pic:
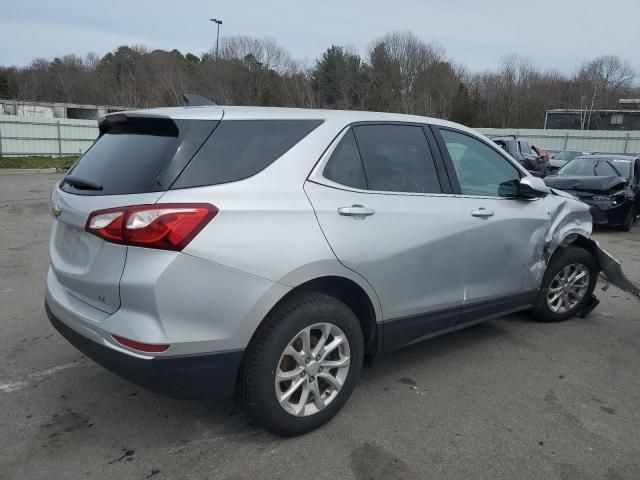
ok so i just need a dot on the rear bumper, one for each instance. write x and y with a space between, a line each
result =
210 375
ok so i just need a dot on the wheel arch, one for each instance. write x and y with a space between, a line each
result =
578 240
352 294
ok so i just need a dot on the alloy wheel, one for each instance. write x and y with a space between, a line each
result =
568 288
312 369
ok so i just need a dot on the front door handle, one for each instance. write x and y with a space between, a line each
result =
482 213
355 211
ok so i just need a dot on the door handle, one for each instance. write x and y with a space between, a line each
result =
356 211
482 213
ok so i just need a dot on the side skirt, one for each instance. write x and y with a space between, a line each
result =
401 332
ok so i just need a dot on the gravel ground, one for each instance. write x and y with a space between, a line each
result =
510 398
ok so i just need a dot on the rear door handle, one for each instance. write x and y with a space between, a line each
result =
356 211
482 213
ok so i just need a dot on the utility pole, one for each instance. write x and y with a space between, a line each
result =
218 22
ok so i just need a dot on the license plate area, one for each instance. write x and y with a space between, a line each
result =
70 240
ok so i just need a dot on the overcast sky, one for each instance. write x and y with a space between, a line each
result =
557 34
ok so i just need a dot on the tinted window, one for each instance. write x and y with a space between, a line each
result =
397 158
127 158
345 166
238 149
597 167
480 169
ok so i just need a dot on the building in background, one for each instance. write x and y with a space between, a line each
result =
627 117
56 110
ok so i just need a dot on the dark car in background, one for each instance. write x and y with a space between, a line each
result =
522 152
609 184
560 159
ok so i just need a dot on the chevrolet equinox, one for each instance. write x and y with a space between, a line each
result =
266 252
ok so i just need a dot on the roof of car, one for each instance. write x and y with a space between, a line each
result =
263 113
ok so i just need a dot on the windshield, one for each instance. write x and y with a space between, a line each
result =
597 167
567 155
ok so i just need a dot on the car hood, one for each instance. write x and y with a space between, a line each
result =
585 184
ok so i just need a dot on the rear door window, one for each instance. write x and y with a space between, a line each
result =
239 149
126 159
397 158
344 166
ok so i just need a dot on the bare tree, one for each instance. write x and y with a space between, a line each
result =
400 73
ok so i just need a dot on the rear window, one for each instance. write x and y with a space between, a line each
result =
126 159
238 149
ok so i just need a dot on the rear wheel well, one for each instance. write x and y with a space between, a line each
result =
352 295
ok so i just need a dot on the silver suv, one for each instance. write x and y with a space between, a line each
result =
267 252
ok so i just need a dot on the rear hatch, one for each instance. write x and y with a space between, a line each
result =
134 161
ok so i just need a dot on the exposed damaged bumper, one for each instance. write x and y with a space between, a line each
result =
612 273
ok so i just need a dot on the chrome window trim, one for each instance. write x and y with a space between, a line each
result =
317 176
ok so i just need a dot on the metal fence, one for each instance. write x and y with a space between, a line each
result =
604 141
38 136
22 135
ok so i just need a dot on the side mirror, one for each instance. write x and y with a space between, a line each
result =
532 187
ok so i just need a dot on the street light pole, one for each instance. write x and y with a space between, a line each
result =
218 22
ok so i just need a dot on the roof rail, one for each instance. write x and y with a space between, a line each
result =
191 100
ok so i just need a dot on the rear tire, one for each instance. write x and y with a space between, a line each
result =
282 348
567 285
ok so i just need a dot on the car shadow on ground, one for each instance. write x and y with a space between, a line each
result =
205 420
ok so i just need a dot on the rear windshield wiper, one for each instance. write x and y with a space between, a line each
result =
81 183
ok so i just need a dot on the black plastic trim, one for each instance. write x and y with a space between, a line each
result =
211 375
404 331
488 309
193 135
441 168
448 164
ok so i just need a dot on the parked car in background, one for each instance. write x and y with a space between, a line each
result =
609 184
267 251
561 158
522 152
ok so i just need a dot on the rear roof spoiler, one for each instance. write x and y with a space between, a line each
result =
112 120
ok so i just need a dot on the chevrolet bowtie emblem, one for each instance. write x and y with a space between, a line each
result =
55 211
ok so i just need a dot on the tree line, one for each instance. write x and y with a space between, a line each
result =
398 73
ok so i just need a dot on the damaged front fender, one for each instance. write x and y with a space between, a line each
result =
612 272
569 222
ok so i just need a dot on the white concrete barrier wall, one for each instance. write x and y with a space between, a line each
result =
23 135
604 141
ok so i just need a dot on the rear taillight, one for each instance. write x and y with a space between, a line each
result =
168 226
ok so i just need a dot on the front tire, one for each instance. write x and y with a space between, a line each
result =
628 224
567 285
302 364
